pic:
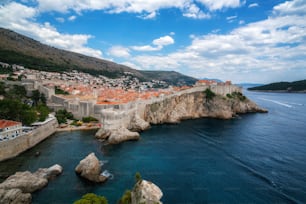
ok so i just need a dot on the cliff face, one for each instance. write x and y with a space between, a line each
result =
197 105
222 102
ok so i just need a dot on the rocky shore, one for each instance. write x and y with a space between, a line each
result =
173 110
17 188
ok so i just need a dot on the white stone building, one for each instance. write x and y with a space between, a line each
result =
9 129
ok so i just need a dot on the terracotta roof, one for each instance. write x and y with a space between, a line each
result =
8 123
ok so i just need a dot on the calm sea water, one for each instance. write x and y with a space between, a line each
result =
256 158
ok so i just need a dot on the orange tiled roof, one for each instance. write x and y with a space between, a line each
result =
8 123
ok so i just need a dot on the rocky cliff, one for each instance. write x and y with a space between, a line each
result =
223 102
197 105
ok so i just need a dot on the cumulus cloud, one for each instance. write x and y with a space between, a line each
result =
193 11
253 5
263 51
220 4
296 7
20 18
119 51
158 44
148 9
72 18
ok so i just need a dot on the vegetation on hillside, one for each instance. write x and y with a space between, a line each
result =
63 115
209 94
17 106
21 50
282 86
58 90
238 95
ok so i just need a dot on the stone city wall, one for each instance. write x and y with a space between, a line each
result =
13 147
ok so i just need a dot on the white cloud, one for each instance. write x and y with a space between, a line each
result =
119 51
146 48
151 15
253 5
296 7
21 18
72 18
231 18
147 9
60 20
193 11
269 50
220 4
158 43
163 41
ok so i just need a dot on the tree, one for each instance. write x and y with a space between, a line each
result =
126 198
43 111
2 88
35 97
17 92
43 98
12 109
138 177
91 198
28 116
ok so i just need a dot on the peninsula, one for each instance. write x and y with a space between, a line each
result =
286 87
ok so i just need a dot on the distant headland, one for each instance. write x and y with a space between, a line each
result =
285 87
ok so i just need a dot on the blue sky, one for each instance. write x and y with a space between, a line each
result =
258 41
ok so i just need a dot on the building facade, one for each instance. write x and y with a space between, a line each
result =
9 129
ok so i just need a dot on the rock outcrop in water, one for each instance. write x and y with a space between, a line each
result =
146 192
17 188
90 169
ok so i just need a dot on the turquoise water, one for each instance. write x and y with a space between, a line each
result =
255 158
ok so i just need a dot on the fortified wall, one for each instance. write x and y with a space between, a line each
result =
116 116
120 115
13 147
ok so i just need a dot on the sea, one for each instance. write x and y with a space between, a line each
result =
253 158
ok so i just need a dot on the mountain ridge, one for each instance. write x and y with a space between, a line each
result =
19 49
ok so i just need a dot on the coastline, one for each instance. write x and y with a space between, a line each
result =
14 147
75 128
278 91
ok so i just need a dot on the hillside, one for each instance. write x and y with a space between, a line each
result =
19 49
296 86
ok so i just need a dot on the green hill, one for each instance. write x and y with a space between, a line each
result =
21 50
296 86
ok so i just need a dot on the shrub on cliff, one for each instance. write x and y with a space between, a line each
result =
91 198
138 177
209 94
126 198
239 95
89 119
